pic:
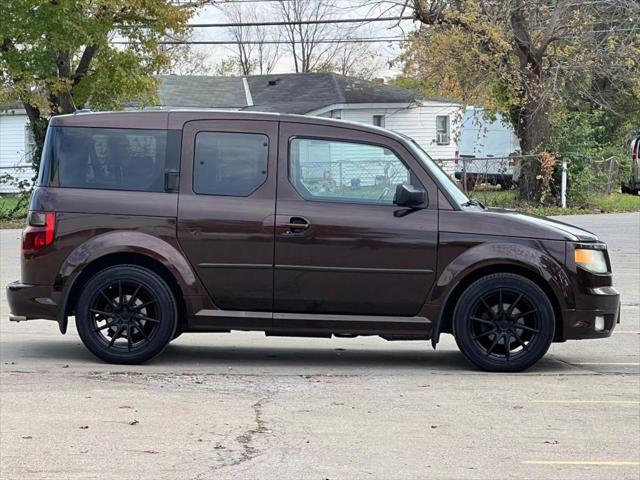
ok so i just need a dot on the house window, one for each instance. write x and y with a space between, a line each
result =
378 120
442 130
29 143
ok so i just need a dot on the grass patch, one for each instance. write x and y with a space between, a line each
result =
614 203
13 210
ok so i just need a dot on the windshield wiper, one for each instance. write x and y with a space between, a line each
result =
472 202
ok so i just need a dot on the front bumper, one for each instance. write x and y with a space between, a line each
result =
29 302
580 323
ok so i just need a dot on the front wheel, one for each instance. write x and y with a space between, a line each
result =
126 314
504 323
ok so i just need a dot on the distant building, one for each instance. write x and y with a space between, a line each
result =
480 137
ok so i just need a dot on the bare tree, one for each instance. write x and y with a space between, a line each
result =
356 60
253 54
184 59
303 38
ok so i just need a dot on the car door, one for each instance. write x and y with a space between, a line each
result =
226 209
341 245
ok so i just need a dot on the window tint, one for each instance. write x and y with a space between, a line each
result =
106 158
346 172
232 164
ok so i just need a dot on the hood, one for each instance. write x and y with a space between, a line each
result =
510 223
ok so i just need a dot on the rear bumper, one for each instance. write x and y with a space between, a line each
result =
580 323
29 302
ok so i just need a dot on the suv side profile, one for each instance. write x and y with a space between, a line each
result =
145 225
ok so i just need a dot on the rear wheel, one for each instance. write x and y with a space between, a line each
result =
503 323
126 314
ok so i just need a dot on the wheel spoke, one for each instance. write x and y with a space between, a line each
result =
139 327
129 336
482 320
513 305
115 322
526 328
484 334
143 305
521 315
109 301
102 312
133 296
139 316
500 306
493 345
120 295
489 309
116 335
519 338
507 346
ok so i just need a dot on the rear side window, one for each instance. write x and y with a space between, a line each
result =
105 158
232 164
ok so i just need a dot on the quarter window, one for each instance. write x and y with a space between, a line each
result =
348 172
233 164
106 158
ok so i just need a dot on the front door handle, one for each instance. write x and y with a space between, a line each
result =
296 225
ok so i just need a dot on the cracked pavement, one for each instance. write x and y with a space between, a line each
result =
240 405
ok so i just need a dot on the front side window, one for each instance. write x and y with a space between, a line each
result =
328 170
232 164
105 158
442 130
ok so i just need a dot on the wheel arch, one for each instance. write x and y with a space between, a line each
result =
117 248
444 321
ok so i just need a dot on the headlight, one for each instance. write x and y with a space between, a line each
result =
591 260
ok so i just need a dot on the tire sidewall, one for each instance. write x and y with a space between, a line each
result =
461 320
167 313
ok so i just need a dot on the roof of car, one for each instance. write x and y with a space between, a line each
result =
175 118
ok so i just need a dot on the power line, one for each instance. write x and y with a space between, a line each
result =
267 42
301 22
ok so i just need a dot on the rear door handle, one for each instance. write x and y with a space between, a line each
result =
296 225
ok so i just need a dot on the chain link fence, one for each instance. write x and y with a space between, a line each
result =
569 181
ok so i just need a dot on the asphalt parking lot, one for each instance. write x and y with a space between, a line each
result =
223 406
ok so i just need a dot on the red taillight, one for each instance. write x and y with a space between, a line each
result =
41 227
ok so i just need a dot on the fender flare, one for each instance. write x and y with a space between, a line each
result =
165 251
498 255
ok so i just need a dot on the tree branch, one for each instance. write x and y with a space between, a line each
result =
85 61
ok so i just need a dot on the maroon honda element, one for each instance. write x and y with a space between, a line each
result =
145 225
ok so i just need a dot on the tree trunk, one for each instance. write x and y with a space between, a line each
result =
39 129
533 130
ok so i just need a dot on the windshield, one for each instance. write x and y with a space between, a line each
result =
441 176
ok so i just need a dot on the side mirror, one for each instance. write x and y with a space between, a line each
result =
409 196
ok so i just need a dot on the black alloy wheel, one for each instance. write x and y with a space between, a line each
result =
504 322
126 314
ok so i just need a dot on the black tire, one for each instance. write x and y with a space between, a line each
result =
177 333
126 314
509 338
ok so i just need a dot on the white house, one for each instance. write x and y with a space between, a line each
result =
16 145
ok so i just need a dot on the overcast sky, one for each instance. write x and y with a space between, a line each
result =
267 10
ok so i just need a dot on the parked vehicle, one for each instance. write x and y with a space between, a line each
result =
495 171
634 155
145 225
